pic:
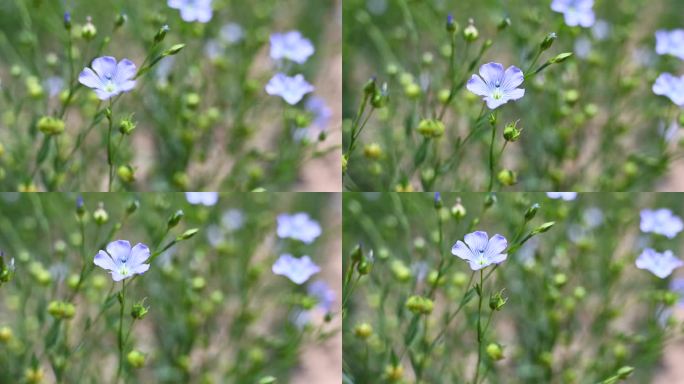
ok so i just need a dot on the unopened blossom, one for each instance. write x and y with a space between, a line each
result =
203 198
567 196
670 42
298 226
660 264
671 86
291 89
481 251
108 78
291 46
123 261
576 12
496 86
661 221
193 10
299 270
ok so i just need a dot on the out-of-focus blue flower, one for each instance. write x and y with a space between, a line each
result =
298 226
661 221
54 85
291 46
582 47
321 117
232 219
122 260
677 286
232 33
670 42
109 78
299 270
320 290
567 196
203 198
601 30
671 86
496 85
480 251
291 89
660 264
193 10
575 12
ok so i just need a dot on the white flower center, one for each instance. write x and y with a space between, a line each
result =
497 94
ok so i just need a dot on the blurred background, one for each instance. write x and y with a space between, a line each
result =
204 121
217 313
591 123
578 309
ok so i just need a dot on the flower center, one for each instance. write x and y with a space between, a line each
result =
124 270
497 94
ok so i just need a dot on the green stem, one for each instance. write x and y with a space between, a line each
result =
122 301
479 332
491 160
110 149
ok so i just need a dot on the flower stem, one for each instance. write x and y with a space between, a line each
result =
491 159
110 149
479 332
122 301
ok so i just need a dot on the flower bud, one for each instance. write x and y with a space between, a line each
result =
531 212
548 41
100 215
175 219
560 58
34 375
470 33
61 310
126 173
136 358
161 34
372 151
120 20
127 125
419 305
267 380
494 351
504 23
497 301
370 87
133 206
363 331
507 177
490 200
543 228
511 132
173 50
438 200
624 372
192 100
188 234
88 31
431 128
50 125
458 211
451 25
401 272
139 310
5 334
394 373
67 21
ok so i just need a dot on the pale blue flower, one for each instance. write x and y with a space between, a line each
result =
203 198
325 296
576 12
291 89
601 30
122 260
660 264
232 220
54 84
299 270
481 251
291 46
661 221
109 78
193 10
232 33
321 117
670 42
671 86
567 196
677 286
298 226
496 86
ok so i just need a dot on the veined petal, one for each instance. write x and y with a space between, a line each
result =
495 246
514 94
103 261
119 250
461 250
139 254
477 241
89 78
125 71
492 73
104 66
513 77
477 86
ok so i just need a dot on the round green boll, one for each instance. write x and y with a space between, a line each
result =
412 90
50 125
363 331
507 177
126 173
431 128
494 351
101 216
88 31
470 33
136 358
192 100
511 132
